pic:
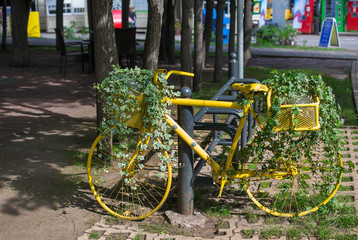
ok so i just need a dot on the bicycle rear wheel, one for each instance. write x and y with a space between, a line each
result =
127 186
297 185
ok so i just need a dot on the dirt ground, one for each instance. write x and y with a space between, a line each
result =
47 122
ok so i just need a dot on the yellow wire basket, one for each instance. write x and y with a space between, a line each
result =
306 120
136 119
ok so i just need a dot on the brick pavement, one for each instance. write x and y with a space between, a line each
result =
238 222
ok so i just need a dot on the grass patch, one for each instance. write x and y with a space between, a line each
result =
271 232
114 220
251 217
78 158
345 188
95 234
216 209
118 236
335 220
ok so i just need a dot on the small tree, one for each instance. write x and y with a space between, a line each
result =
198 45
105 50
249 4
59 20
20 16
208 28
219 41
152 41
185 45
4 25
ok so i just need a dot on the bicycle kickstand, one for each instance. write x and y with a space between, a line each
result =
223 181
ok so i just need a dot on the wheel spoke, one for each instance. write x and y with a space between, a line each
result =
129 192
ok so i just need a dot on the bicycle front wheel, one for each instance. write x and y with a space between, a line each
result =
294 187
125 185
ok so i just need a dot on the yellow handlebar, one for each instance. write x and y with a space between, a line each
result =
156 72
179 73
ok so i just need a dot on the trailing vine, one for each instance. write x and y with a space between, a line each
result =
132 100
290 145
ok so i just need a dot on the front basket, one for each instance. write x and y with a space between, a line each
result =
136 117
306 120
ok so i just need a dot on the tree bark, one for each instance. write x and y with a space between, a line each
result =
105 50
152 41
59 20
198 45
164 35
125 8
249 4
208 28
4 25
232 26
185 45
20 49
219 41
171 32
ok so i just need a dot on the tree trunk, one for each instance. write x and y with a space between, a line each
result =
219 41
105 50
208 28
152 41
198 45
249 4
4 25
185 45
232 26
20 10
125 8
59 20
164 35
171 32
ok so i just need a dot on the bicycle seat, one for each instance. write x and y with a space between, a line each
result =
250 88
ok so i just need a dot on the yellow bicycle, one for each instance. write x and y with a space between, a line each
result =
291 185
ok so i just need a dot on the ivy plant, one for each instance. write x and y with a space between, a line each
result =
129 93
290 145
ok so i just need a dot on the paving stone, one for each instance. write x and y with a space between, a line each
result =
150 236
102 225
83 238
186 221
120 227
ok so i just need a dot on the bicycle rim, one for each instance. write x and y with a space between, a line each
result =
287 188
131 189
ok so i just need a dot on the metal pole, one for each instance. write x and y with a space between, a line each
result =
186 159
240 33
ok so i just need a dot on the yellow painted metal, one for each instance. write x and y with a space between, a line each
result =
204 103
307 119
235 142
179 73
129 169
158 71
191 142
278 174
250 88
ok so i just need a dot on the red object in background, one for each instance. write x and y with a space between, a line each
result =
352 15
117 18
307 18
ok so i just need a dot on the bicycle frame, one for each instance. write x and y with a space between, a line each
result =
217 169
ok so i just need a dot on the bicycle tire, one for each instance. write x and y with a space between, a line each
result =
294 188
132 189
